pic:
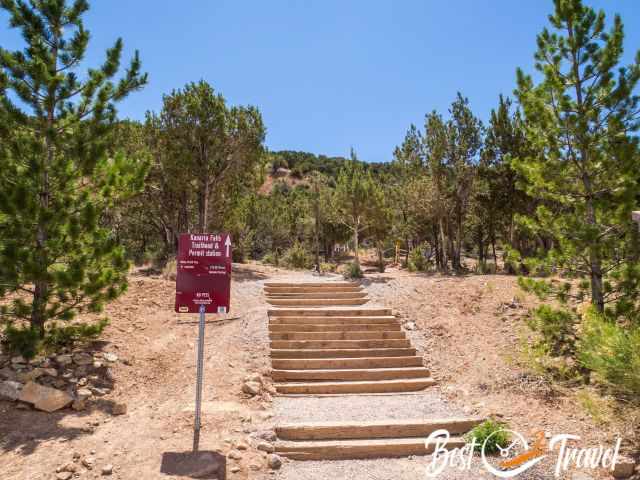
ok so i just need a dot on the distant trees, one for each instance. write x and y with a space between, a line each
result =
57 179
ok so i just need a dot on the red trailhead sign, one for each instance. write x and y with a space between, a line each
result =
204 273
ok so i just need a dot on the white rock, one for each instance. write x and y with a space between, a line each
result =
266 447
10 390
110 357
251 388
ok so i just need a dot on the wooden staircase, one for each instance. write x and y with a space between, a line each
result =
322 345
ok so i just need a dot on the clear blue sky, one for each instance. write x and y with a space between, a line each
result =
330 74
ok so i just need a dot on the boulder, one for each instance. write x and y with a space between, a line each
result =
64 360
10 390
266 447
251 388
7 373
44 398
82 359
624 467
274 461
119 409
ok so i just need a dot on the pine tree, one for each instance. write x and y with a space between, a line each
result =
580 118
353 192
56 179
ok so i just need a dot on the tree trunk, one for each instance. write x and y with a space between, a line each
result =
380 248
443 240
203 206
356 242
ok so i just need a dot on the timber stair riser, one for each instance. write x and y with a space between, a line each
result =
345 363
338 344
310 284
338 320
280 290
360 449
375 429
334 327
344 353
358 335
348 375
342 387
294 296
336 312
320 302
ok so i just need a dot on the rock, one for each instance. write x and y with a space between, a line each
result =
242 446
624 468
19 359
266 447
82 359
235 455
581 476
31 376
45 398
110 357
64 360
251 388
119 409
254 377
51 372
88 462
97 365
83 393
274 461
7 374
235 469
64 475
268 435
69 467
410 326
107 469
82 382
79 405
10 390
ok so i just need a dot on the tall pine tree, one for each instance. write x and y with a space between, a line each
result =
56 178
580 119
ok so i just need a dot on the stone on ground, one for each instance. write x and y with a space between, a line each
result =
45 398
10 390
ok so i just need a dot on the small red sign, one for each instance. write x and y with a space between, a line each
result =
203 272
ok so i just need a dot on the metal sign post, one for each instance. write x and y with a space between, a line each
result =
203 285
199 378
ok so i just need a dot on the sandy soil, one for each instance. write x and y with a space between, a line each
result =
467 338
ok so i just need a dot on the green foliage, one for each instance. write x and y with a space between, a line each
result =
581 117
28 342
297 257
557 329
417 261
352 270
490 435
612 352
58 176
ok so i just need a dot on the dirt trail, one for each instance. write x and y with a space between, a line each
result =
461 325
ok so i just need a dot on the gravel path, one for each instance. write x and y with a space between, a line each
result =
427 404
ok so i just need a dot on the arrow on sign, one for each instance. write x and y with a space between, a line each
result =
227 243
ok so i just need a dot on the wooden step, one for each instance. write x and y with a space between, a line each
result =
345 363
329 312
375 429
311 284
343 352
339 344
325 320
294 296
354 449
269 290
361 374
335 327
357 335
320 302
379 386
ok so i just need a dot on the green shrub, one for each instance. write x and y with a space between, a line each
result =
557 329
612 353
26 340
170 270
23 341
269 258
353 270
297 257
328 267
492 433
417 261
